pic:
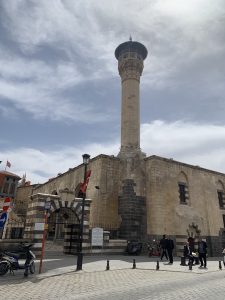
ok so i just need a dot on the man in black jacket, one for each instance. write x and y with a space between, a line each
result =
202 251
163 243
169 248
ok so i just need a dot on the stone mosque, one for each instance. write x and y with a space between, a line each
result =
131 196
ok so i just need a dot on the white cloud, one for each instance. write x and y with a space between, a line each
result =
37 88
181 36
40 165
197 144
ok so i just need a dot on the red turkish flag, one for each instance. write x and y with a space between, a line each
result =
84 185
8 164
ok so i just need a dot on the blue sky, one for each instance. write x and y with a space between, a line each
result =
60 88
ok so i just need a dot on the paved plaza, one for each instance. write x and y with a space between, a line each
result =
60 281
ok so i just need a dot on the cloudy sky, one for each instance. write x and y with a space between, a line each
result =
60 88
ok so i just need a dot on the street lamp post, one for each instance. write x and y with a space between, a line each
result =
86 158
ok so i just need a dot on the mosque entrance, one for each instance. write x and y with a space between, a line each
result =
63 230
58 222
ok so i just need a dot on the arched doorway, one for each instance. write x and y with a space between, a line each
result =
69 216
58 220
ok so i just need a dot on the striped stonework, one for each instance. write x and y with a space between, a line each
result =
34 228
71 235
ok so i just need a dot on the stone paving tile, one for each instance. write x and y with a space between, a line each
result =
120 284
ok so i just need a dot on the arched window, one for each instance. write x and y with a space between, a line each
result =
54 192
183 188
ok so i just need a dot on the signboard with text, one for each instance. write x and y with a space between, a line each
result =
39 226
97 237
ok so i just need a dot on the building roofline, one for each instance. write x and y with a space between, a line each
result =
76 168
152 157
27 186
6 173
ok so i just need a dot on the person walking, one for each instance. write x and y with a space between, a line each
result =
163 243
223 253
169 248
202 251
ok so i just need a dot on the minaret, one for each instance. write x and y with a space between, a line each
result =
130 56
132 201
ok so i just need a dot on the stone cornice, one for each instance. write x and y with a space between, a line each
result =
170 160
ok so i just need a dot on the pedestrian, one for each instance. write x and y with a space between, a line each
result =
163 243
223 253
202 251
188 253
169 248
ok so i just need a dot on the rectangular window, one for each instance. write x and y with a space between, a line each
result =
12 189
182 193
6 188
224 221
220 198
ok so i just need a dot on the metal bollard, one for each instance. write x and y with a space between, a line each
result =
190 265
26 270
134 264
107 265
157 265
220 265
182 261
196 261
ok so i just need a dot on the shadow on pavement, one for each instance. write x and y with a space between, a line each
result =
55 264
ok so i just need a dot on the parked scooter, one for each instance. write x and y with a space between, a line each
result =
134 247
10 261
153 250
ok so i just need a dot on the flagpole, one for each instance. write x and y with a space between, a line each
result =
6 164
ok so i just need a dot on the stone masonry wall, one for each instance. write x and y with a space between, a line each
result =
165 213
105 175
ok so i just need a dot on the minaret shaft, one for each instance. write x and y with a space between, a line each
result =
130 115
